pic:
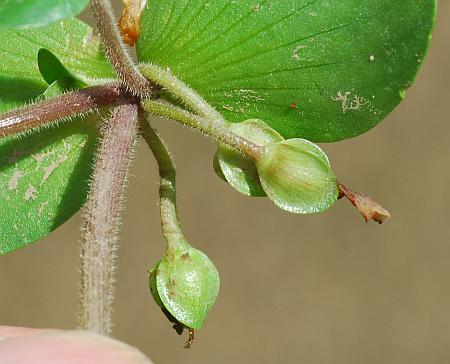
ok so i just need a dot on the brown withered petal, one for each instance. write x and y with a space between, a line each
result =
369 209
129 23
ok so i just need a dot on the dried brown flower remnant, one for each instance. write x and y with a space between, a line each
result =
190 340
368 208
129 23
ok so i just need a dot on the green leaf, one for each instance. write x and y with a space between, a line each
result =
43 180
53 70
44 176
60 86
239 171
321 70
187 283
70 41
36 13
296 176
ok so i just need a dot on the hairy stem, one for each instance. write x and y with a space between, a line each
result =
180 91
170 224
212 128
100 231
115 50
65 106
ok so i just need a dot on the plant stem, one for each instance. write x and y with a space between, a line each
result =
180 91
100 231
170 224
212 128
62 107
115 50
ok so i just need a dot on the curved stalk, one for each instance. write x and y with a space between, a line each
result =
100 238
115 50
180 91
170 224
212 128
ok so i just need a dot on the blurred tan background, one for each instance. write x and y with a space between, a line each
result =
295 289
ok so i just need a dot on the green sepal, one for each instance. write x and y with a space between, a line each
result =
239 171
152 284
217 169
297 177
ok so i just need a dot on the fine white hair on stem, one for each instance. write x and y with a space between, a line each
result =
102 219
210 127
128 72
62 107
181 91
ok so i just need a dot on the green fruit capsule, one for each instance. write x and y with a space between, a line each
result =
239 171
185 284
296 175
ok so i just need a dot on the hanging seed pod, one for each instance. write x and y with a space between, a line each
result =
296 175
239 171
185 284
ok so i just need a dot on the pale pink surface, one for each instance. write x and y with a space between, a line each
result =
26 346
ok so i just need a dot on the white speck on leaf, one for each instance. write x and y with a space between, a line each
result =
13 183
51 168
250 95
88 38
349 102
256 8
42 207
30 193
228 108
296 53
41 156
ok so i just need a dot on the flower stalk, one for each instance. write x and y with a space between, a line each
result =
102 220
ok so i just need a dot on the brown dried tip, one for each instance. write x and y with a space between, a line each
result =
129 23
368 208
190 340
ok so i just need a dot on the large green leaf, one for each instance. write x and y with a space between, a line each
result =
324 70
35 13
44 176
71 41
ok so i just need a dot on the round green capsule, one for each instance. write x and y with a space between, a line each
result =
185 283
